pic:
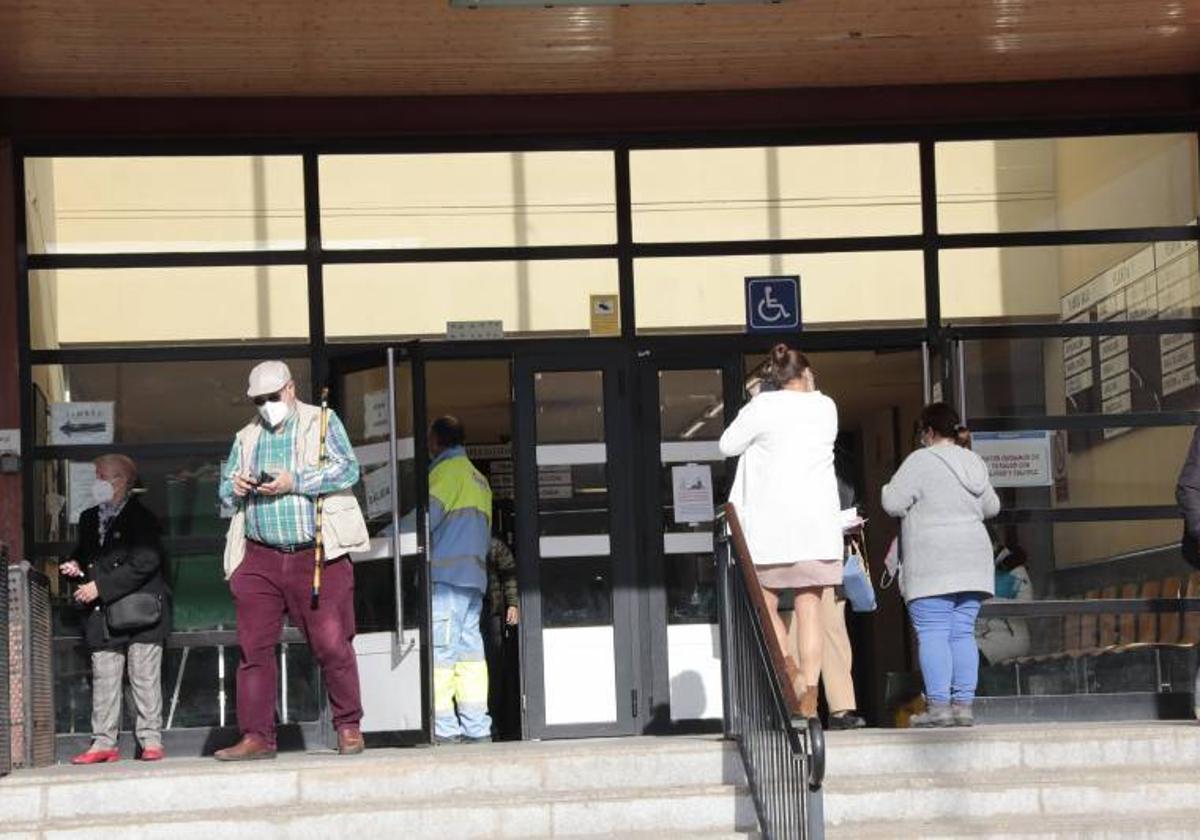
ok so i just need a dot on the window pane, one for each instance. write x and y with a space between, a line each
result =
856 290
1123 282
408 300
180 491
789 192
167 305
493 199
1113 374
1066 183
138 204
163 401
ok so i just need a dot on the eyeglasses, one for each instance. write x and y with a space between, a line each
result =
266 398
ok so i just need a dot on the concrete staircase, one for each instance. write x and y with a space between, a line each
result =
1089 780
630 787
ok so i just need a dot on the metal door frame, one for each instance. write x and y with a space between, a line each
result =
652 555
389 356
620 441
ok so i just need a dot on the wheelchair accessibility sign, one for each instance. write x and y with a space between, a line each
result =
772 304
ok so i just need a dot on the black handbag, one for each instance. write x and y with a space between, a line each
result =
136 611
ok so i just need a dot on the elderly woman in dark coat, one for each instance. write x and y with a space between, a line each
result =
119 562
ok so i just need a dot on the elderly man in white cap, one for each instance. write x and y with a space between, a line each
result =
273 478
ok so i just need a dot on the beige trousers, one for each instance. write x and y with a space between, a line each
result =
108 673
836 656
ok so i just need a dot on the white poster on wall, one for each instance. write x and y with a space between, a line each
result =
692 492
375 414
1016 459
77 423
378 485
81 475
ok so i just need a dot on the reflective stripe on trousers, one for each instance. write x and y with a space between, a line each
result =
460 677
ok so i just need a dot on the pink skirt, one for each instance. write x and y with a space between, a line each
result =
802 575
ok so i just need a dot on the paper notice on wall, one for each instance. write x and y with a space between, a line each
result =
1015 459
378 485
10 441
81 475
693 493
79 423
375 414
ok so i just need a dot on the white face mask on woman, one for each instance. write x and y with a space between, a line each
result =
102 491
274 413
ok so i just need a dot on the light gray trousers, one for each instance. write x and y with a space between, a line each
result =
145 678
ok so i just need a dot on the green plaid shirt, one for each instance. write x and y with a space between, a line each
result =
289 519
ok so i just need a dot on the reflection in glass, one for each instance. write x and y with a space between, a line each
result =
164 401
416 300
1066 183
128 306
576 592
1070 283
783 192
691 589
850 290
474 199
570 406
169 203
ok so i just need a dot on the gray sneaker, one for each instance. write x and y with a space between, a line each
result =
936 716
962 714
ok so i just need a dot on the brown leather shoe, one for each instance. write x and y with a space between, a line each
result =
350 741
250 748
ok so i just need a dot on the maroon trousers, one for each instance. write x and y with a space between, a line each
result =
269 584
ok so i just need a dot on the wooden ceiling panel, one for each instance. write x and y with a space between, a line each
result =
404 47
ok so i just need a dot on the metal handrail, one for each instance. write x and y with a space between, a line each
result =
783 752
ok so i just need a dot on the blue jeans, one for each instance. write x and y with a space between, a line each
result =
460 677
945 626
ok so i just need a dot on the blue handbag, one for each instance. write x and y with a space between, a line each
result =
856 581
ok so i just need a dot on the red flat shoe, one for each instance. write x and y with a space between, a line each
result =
153 754
97 757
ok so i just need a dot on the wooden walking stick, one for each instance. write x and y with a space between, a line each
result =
319 547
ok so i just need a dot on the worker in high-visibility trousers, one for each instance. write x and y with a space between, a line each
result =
460 527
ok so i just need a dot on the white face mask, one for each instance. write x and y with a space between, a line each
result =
102 492
274 413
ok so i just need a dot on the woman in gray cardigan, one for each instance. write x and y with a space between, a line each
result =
943 495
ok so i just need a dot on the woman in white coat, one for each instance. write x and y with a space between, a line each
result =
786 496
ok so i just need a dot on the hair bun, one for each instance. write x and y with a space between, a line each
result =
779 353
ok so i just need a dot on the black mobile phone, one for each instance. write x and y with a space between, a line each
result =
264 477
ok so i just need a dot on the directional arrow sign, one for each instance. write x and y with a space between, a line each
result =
80 423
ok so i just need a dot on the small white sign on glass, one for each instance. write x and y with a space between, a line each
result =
10 441
375 414
1015 459
692 492
79 423
378 485
81 475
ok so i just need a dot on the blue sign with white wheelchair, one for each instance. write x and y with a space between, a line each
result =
773 304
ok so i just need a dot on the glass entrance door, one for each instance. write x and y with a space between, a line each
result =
375 397
685 407
577 546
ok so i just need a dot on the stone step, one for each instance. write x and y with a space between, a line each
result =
1164 825
973 796
1014 747
718 810
386 777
